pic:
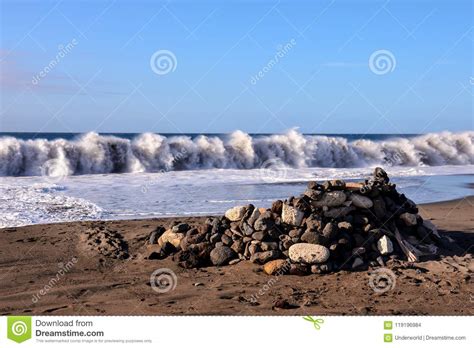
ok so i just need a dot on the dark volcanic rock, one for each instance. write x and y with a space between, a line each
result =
187 259
202 250
313 194
330 231
312 237
216 237
334 185
183 227
296 233
379 208
154 235
265 256
313 185
168 248
156 253
222 255
254 248
298 269
258 235
226 240
277 207
264 222
314 223
246 228
238 246
266 246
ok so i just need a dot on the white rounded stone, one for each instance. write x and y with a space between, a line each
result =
308 253
235 213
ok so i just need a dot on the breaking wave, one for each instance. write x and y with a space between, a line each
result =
92 153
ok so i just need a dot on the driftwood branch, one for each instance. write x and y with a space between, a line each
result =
410 251
354 186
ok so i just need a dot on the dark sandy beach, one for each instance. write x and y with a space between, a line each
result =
97 282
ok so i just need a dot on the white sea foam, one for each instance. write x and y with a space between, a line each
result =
42 203
92 153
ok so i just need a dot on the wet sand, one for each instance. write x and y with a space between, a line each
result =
77 269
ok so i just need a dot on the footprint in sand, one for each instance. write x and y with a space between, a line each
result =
105 242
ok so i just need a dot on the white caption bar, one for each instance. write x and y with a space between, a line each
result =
89 331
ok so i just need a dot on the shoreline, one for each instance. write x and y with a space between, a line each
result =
469 197
138 196
186 217
98 283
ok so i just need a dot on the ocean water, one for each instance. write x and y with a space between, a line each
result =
66 177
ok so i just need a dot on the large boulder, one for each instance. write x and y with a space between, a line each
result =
330 199
308 253
360 201
221 255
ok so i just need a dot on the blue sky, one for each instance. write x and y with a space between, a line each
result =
312 56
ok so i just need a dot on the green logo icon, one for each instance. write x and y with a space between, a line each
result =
19 328
387 338
316 322
387 325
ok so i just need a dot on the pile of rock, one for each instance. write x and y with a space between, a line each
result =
331 226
